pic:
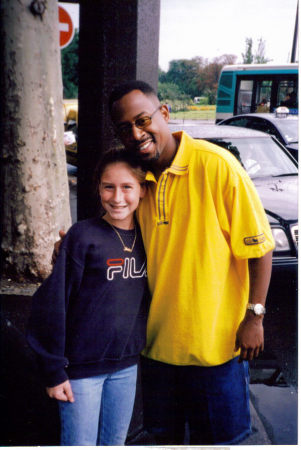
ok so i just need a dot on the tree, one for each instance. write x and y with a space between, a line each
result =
211 74
247 57
195 77
169 92
34 183
212 70
69 57
161 75
185 73
259 56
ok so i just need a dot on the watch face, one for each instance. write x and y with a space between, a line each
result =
258 309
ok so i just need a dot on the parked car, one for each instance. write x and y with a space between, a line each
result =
284 128
70 115
275 175
70 141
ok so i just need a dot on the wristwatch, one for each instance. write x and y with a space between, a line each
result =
257 308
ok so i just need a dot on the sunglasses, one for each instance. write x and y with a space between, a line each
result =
125 129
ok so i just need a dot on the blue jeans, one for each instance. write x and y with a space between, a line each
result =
213 401
102 410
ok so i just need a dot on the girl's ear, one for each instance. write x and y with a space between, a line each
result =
142 190
99 191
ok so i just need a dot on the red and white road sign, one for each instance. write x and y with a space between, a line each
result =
66 27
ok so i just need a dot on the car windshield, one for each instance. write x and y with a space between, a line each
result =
289 129
261 157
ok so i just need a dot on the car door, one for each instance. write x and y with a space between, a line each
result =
238 122
257 123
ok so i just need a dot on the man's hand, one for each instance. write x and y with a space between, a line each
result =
57 247
61 392
250 337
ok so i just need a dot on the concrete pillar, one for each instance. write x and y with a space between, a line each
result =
119 41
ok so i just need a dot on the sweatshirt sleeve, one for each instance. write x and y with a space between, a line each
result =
46 331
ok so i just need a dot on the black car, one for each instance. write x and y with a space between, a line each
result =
275 175
285 128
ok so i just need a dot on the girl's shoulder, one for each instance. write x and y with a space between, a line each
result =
86 231
87 224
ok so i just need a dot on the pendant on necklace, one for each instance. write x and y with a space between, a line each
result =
125 248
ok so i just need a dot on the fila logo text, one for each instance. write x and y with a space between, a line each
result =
126 267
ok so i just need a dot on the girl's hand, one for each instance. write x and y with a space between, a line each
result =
56 247
61 392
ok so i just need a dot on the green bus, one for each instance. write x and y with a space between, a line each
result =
250 88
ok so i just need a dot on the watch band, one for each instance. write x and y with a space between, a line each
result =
257 308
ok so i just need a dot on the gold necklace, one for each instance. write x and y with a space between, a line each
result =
125 248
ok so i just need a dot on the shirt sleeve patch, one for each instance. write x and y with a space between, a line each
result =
254 240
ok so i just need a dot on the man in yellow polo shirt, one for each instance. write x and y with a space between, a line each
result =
209 249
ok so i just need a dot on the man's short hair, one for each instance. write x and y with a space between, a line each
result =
122 89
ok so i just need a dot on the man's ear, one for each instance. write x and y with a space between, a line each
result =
165 112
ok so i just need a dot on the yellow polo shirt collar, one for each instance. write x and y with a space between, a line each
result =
180 164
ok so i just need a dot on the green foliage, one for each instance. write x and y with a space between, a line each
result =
171 94
168 92
247 57
161 75
211 96
259 56
185 74
69 58
194 77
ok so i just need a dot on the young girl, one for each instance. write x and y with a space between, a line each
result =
88 319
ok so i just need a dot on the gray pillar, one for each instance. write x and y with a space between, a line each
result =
119 41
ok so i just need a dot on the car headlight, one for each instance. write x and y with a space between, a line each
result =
281 241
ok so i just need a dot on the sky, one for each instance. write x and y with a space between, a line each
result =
211 28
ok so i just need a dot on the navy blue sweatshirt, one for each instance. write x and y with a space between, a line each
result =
89 316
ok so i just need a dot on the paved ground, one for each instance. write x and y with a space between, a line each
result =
276 409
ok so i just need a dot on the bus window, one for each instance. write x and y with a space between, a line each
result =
244 99
263 95
287 94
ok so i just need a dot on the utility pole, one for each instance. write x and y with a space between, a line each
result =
295 38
